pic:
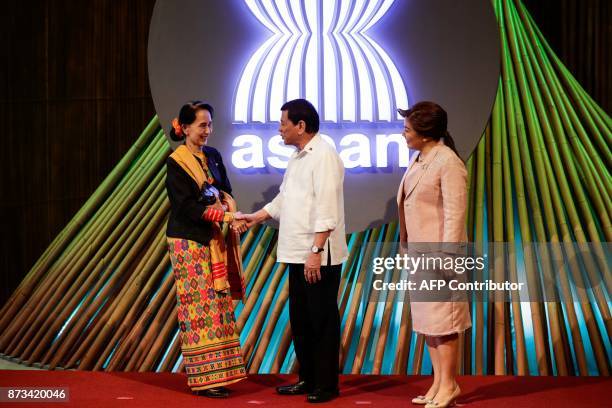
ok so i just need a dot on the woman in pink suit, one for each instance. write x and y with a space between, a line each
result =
432 202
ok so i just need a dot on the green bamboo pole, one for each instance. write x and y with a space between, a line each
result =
93 269
479 245
21 330
400 366
271 323
389 304
29 282
260 281
129 302
77 289
262 312
555 201
103 327
591 268
367 326
539 196
524 181
128 346
498 236
349 326
120 336
120 263
510 131
107 268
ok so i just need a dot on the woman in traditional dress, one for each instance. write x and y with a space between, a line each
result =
432 204
206 266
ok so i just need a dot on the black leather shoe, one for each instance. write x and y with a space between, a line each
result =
219 392
294 389
322 396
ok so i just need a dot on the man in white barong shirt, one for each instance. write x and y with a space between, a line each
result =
312 241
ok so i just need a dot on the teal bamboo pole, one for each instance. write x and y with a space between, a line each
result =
84 279
358 289
577 223
539 194
42 293
479 245
524 220
367 331
57 246
500 323
118 265
509 130
554 200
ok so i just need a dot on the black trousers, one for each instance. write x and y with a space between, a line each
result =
315 325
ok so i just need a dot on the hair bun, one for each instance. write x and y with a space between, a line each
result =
176 132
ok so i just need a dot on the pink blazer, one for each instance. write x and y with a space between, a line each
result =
434 208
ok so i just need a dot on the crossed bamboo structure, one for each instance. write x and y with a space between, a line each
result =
102 296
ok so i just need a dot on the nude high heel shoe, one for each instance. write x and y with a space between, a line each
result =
421 400
450 401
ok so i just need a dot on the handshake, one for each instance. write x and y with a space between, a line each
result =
242 222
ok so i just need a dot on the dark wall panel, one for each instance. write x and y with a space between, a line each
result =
74 96
580 32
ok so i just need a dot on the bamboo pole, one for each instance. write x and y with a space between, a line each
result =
272 321
254 334
173 355
96 297
479 245
389 306
367 328
128 346
260 281
283 347
166 315
83 280
509 131
404 338
143 230
349 326
497 210
155 260
29 282
55 276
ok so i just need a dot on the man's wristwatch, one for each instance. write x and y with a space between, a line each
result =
316 250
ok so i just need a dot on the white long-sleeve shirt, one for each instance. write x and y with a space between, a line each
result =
310 200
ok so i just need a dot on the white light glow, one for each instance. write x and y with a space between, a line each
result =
356 150
319 50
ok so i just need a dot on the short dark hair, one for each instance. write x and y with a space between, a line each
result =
430 120
301 109
187 115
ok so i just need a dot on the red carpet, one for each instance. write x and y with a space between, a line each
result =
119 389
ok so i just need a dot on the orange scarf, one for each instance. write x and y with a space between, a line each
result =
226 265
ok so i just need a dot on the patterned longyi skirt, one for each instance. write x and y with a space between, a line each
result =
210 342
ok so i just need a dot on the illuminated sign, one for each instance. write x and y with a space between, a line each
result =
355 60
323 54
320 50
